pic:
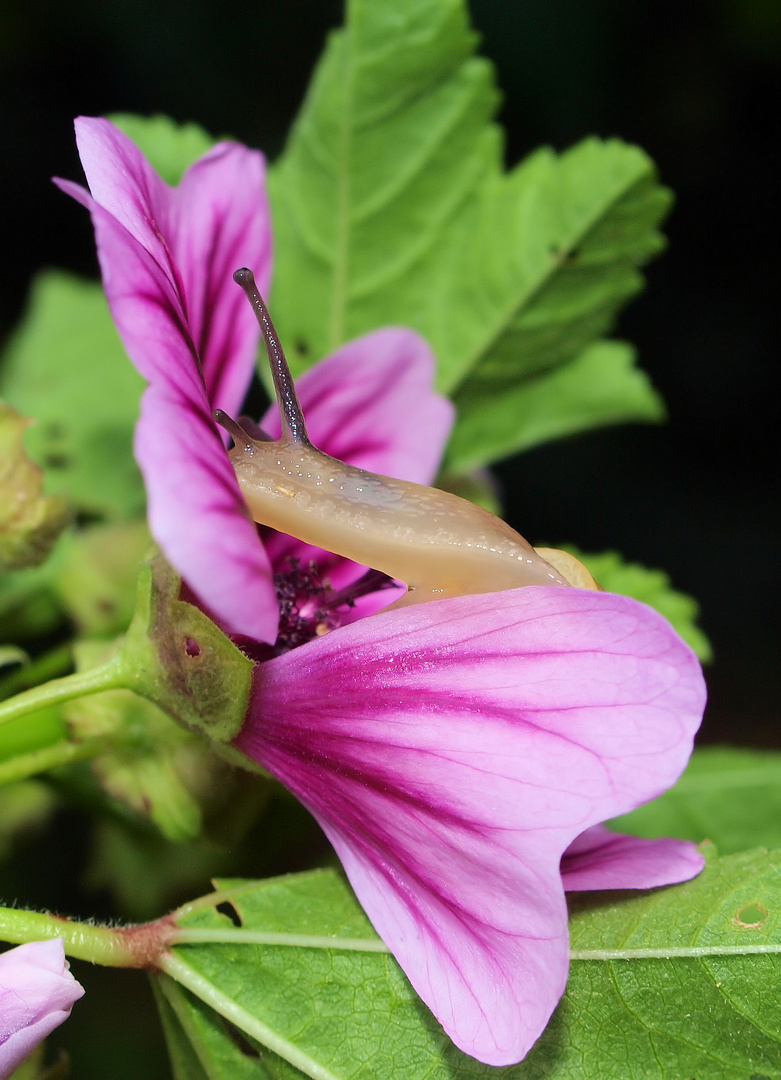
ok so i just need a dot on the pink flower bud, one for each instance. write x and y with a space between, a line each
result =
37 991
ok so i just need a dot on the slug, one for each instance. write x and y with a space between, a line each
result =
437 543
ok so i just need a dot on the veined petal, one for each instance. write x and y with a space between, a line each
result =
452 752
601 859
187 472
198 233
222 222
371 404
198 516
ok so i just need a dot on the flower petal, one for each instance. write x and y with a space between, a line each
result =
37 991
173 319
452 751
372 404
601 859
198 233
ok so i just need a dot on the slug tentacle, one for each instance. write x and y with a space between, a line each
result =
235 430
440 545
293 423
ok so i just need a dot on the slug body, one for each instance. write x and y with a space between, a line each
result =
439 544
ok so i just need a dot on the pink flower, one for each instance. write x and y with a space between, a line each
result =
460 754
37 991
167 255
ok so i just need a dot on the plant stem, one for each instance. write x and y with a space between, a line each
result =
140 946
187 935
62 752
42 668
108 676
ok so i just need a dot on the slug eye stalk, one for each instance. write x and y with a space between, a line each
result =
437 543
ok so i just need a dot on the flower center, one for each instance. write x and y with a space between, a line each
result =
309 607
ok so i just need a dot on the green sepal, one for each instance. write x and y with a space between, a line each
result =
30 521
175 656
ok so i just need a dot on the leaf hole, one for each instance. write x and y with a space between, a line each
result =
239 1040
751 916
226 908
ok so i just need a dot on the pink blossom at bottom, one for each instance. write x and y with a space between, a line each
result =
37 991
455 751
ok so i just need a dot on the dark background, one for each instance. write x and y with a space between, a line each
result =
694 83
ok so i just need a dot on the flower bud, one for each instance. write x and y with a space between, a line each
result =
37 991
30 521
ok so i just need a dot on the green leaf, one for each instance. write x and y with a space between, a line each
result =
391 137
728 795
66 368
668 983
169 147
97 576
391 206
202 1048
184 1059
600 386
652 587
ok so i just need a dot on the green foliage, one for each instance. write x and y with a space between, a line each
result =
11 654
696 1006
598 387
652 587
153 766
25 808
144 872
728 795
96 576
169 147
65 367
391 206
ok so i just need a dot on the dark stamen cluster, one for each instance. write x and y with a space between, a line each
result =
309 607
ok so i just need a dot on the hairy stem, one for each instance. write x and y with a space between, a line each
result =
129 947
